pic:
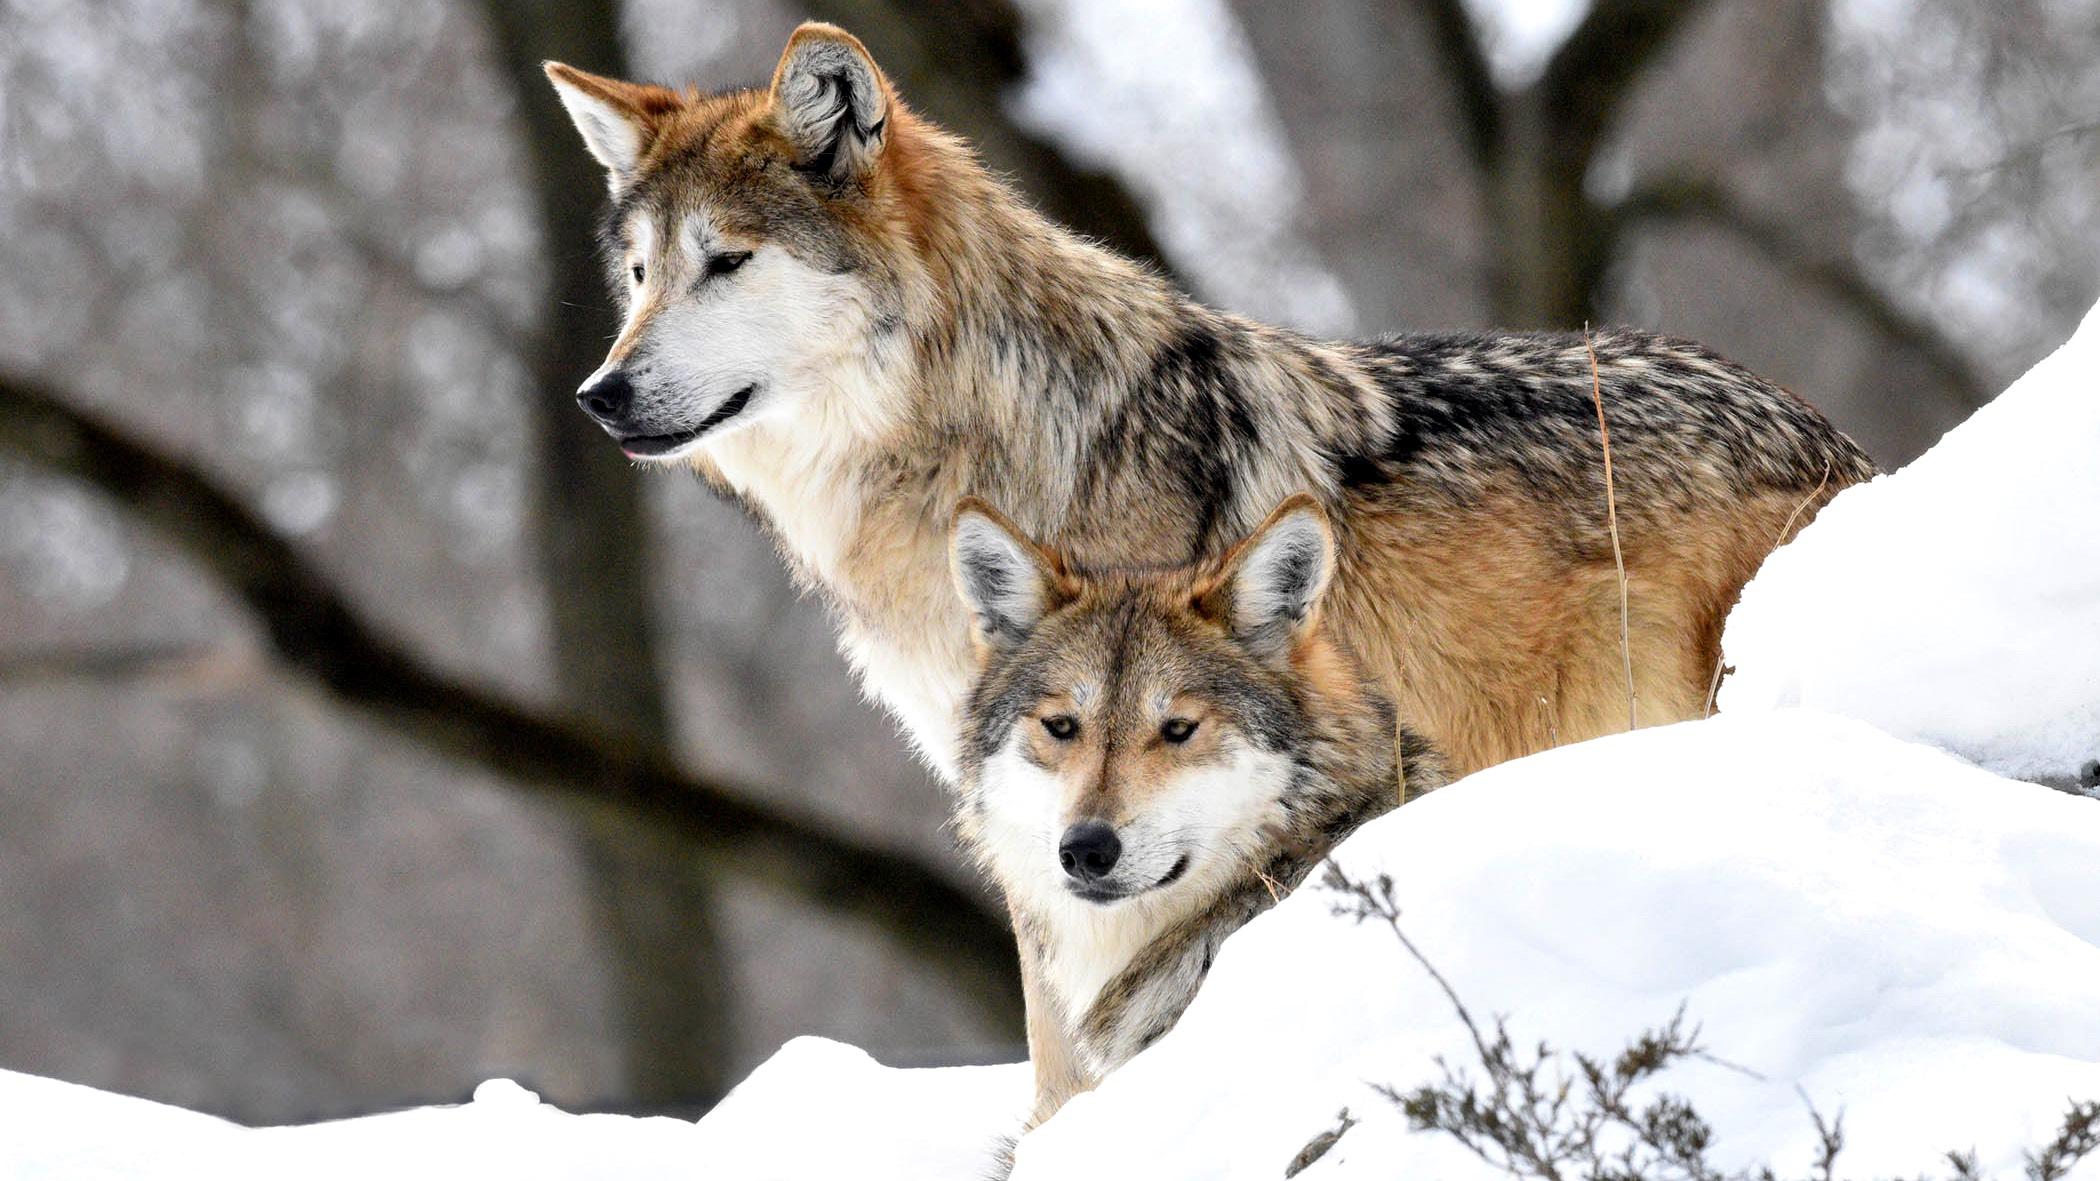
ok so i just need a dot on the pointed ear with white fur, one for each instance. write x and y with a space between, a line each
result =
1268 589
618 120
833 104
1006 580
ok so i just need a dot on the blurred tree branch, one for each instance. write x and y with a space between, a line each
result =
315 630
1698 200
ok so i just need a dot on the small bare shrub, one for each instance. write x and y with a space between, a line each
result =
1551 1115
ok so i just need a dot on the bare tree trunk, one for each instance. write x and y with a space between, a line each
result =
655 904
1549 245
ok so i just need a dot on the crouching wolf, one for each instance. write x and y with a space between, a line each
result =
837 315
1149 759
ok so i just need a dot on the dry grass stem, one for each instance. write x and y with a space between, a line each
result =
1713 686
1611 517
1788 528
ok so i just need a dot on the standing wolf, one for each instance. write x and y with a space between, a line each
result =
836 314
1149 759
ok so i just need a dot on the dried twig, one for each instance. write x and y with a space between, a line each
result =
1611 516
1544 1114
1376 900
2078 1139
1319 1145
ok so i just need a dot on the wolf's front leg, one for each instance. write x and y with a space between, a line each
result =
1058 1073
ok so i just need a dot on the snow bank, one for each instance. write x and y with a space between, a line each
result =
1907 937
819 1109
56 1130
1956 602
816 1109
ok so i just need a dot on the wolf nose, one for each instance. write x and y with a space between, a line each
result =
607 399
1089 851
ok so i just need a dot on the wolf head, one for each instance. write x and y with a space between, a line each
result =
747 241
1133 735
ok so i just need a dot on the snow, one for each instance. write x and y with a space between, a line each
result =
822 1109
1836 878
1955 602
56 1130
51 1129
816 1109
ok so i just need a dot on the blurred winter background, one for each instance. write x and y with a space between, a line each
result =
334 261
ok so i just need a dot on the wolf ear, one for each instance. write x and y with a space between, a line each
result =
618 119
1007 581
833 103
1268 588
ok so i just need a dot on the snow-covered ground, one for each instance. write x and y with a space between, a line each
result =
54 1131
1824 878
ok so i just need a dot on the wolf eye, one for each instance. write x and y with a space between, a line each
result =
1177 730
637 270
1061 726
726 264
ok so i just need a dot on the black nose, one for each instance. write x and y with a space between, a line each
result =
607 399
1089 850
